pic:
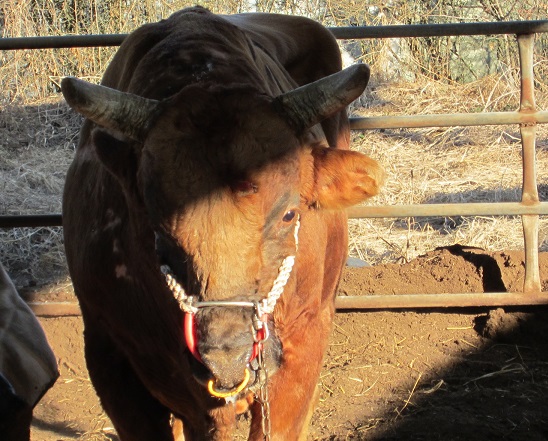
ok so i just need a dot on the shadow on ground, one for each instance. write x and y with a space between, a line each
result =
496 392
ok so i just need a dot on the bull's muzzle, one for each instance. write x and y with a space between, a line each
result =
225 343
220 393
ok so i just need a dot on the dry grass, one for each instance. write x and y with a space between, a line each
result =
454 165
36 146
31 75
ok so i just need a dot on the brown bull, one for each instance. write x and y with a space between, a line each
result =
208 184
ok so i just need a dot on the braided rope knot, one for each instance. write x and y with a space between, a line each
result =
267 305
185 301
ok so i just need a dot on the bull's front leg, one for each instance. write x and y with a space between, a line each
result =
293 391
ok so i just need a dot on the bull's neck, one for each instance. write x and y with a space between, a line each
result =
127 215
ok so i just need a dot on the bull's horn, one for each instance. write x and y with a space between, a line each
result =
312 103
123 112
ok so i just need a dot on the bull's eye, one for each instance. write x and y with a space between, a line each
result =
289 216
244 187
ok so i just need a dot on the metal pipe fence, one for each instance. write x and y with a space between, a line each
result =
342 33
527 117
529 208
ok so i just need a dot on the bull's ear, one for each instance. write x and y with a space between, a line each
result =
116 154
344 178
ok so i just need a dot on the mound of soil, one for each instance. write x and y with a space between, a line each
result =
471 374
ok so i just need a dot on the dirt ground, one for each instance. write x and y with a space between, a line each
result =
473 374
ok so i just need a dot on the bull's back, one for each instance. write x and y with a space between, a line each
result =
304 47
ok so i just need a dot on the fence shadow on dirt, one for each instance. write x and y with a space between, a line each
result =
495 392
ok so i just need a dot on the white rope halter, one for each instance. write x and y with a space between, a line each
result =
266 306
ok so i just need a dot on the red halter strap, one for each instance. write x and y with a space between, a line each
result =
189 328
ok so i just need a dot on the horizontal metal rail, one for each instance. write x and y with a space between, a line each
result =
464 209
35 220
343 33
447 120
370 211
61 41
377 301
55 309
450 300
441 30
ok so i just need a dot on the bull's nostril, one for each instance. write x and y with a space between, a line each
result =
227 393
228 378
227 366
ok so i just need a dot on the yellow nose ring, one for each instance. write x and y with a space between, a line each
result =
211 387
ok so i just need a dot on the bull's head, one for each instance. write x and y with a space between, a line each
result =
224 175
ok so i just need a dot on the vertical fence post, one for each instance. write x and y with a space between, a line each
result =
529 190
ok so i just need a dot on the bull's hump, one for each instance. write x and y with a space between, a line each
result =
166 69
191 46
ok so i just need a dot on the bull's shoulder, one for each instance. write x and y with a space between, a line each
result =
306 49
